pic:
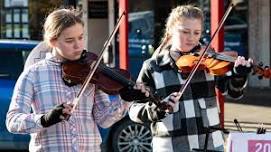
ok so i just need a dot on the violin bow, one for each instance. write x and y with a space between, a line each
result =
94 66
201 57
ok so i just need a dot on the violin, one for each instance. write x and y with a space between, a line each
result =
110 80
216 64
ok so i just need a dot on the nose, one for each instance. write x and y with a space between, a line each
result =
191 36
77 44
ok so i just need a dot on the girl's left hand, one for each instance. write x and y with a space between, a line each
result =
143 89
138 92
242 66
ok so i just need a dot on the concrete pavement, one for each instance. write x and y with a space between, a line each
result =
252 111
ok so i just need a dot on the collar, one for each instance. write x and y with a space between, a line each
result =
169 56
52 58
164 58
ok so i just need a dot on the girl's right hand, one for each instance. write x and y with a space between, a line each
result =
172 102
57 114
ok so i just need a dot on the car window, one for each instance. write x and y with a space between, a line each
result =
140 24
12 63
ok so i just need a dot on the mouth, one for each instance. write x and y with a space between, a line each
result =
189 44
78 53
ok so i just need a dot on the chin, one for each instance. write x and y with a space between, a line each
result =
77 57
186 50
74 58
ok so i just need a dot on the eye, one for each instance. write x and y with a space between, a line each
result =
197 33
185 32
69 41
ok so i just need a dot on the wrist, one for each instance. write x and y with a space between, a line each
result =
238 82
37 119
43 122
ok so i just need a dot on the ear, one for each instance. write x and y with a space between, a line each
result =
52 42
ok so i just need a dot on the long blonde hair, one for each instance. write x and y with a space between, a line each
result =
183 11
59 20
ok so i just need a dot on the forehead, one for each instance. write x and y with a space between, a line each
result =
72 31
189 23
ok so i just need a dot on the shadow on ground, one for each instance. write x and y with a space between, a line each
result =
254 96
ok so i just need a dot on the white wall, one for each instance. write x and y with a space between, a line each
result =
97 33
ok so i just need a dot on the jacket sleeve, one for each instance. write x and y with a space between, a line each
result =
145 110
232 85
19 118
107 111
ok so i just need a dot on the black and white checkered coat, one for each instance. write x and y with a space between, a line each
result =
185 129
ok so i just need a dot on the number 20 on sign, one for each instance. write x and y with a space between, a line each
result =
259 145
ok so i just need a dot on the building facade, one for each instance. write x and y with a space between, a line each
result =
246 30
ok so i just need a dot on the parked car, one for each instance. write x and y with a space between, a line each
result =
140 38
13 54
123 136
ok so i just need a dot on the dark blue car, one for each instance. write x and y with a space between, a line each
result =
123 136
13 54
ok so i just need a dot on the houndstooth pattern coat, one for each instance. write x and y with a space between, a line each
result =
185 129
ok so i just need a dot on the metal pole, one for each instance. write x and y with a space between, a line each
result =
123 36
217 10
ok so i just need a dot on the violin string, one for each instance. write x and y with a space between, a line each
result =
220 56
116 76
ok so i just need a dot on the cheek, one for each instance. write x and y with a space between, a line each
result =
82 43
176 39
198 37
64 47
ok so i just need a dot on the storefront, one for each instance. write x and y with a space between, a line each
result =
246 30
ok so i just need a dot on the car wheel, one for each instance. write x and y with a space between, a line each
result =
131 136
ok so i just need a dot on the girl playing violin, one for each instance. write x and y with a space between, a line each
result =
41 102
184 127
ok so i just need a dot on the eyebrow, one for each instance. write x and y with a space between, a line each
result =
183 28
70 38
188 29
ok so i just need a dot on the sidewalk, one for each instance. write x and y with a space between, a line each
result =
253 110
